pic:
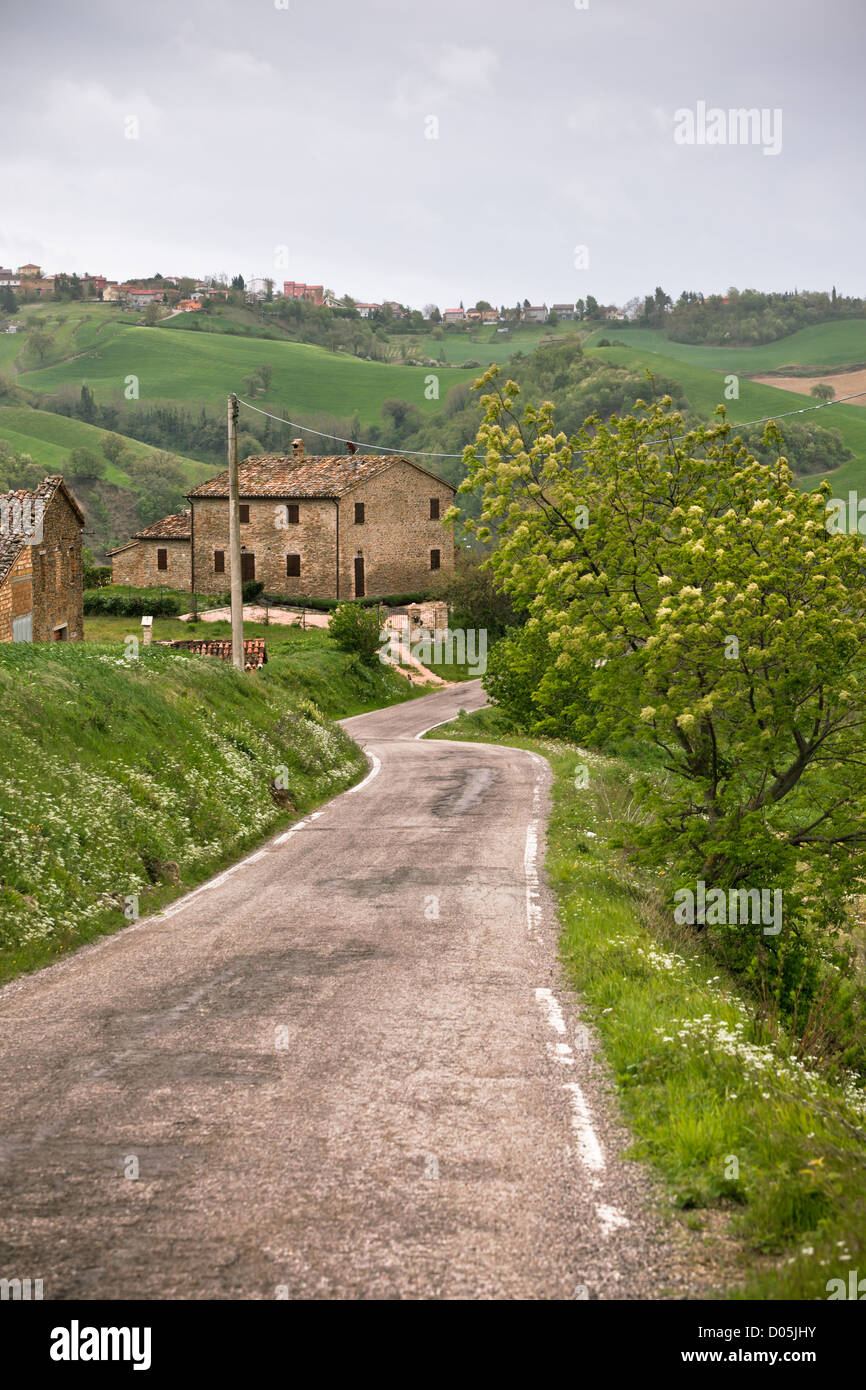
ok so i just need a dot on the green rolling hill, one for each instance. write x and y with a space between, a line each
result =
49 438
705 386
103 346
833 344
202 368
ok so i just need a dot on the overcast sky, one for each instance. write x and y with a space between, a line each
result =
309 128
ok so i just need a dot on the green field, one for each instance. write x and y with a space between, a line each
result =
202 368
49 438
101 345
490 346
705 387
824 345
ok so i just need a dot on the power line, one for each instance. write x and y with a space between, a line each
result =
783 415
431 454
418 453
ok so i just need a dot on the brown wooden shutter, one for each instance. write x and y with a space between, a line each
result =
434 508
359 577
162 559
244 510
435 558
248 566
293 566
219 562
293 513
359 513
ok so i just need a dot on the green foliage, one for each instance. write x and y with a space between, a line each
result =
521 679
356 629
808 448
160 481
749 316
121 605
474 598
84 465
155 771
17 470
721 624
251 590
95 576
702 1075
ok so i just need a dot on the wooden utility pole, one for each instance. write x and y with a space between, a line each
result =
235 539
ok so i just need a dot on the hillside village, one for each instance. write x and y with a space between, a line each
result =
186 294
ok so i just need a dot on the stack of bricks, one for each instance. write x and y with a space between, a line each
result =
255 651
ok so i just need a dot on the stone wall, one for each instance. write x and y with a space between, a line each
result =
136 564
58 583
397 535
269 538
16 593
395 538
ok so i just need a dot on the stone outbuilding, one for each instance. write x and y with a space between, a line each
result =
336 526
41 571
160 554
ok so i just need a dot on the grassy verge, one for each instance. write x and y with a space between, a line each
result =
745 1135
306 661
125 783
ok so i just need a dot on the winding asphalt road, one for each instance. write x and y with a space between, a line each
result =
346 1068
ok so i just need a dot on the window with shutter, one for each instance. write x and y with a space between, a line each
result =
244 510
293 566
162 559
359 513
219 562
434 508
293 514
435 557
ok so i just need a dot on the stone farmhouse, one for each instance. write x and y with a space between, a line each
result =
160 554
41 574
345 526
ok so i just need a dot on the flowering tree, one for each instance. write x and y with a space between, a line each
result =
699 599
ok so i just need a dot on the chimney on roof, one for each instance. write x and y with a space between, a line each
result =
298 450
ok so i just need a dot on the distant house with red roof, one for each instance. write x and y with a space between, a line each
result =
313 294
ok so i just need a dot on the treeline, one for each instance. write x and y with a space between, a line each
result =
743 317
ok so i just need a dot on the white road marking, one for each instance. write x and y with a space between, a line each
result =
610 1218
449 720
530 865
554 1012
588 1148
287 834
377 763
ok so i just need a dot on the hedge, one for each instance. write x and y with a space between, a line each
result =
97 601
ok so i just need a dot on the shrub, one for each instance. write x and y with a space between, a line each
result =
97 602
95 576
251 590
356 629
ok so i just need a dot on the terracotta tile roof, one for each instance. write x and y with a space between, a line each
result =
276 475
169 528
12 545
